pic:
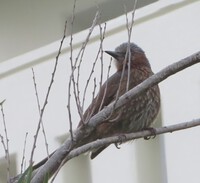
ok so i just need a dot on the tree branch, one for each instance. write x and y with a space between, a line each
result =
61 153
131 136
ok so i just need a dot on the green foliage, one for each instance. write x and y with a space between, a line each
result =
27 175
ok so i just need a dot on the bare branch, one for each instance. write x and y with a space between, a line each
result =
53 163
128 53
102 37
6 144
47 95
127 137
129 31
131 136
108 73
100 52
72 68
39 110
23 154
74 65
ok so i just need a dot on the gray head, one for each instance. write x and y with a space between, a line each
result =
124 47
122 51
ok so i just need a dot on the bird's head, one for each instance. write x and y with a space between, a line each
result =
121 56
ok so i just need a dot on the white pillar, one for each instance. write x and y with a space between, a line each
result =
77 169
150 158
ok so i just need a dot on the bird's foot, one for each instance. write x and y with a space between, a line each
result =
117 145
153 131
122 138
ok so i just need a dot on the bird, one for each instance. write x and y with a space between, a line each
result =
132 68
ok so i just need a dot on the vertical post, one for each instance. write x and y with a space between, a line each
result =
150 158
77 169
3 165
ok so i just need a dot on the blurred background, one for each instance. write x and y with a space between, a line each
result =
30 35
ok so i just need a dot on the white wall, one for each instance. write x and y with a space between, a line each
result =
165 39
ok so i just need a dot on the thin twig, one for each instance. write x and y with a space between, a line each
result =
23 154
73 67
99 52
39 110
94 90
6 145
52 164
47 95
128 55
129 31
102 37
89 78
105 91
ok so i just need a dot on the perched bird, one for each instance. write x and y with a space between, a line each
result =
133 67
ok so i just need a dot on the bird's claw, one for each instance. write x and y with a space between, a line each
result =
122 138
117 145
153 131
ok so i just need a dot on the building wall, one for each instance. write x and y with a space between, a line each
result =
168 32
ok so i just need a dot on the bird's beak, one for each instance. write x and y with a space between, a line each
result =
113 54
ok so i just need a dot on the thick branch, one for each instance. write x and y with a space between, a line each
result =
53 163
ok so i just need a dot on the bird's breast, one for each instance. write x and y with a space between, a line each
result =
138 113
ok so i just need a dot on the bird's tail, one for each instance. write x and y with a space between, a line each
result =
97 151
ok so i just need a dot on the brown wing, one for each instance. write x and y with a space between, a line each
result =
105 96
104 129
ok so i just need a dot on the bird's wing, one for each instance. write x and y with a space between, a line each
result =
106 95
